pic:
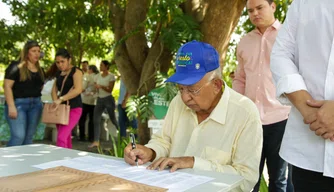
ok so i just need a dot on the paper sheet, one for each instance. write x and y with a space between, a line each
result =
176 181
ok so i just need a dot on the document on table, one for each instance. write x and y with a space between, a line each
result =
176 181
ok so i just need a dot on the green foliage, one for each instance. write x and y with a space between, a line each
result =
9 35
169 90
182 29
75 25
166 18
118 145
263 185
141 106
281 9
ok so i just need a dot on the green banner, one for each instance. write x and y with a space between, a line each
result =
160 105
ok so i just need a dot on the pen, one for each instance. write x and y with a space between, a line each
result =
133 144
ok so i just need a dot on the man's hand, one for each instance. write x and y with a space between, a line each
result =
310 114
12 112
173 162
144 154
322 123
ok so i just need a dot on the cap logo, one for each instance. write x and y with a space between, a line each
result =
184 59
197 66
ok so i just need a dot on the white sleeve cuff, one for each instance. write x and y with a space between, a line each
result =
288 84
155 148
202 164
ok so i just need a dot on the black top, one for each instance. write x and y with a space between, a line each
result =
23 89
69 83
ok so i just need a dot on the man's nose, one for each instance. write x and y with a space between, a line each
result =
186 96
255 12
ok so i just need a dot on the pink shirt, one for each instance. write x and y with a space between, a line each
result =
253 77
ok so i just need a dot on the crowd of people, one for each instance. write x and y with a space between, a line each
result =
87 90
279 111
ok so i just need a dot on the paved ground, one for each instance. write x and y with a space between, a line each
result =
78 145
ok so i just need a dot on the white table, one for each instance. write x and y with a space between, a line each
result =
19 159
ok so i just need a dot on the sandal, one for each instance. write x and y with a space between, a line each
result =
94 144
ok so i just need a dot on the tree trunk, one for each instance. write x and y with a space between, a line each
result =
218 19
138 63
143 132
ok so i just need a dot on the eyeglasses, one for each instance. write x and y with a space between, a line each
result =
184 89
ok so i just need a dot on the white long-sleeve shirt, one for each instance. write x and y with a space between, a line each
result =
303 59
228 141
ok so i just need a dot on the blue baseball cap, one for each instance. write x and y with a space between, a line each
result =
193 60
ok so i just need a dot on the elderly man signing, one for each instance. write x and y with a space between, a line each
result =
208 126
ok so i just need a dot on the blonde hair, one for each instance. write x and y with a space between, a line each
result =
23 66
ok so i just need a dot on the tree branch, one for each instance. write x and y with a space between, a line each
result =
136 44
157 33
151 66
124 64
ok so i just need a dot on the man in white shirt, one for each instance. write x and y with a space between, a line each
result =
84 66
207 127
302 64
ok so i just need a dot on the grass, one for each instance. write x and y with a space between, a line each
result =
263 185
118 145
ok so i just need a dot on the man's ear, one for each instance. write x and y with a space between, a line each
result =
273 6
218 83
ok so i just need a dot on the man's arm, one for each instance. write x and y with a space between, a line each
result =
284 65
298 99
161 141
238 83
159 145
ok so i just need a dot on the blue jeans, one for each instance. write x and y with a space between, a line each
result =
289 186
23 128
124 121
272 138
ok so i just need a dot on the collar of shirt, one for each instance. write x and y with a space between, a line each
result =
219 112
276 25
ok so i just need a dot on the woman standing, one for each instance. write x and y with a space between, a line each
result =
104 83
71 77
23 84
89 102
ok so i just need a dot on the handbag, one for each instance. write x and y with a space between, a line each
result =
57 114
